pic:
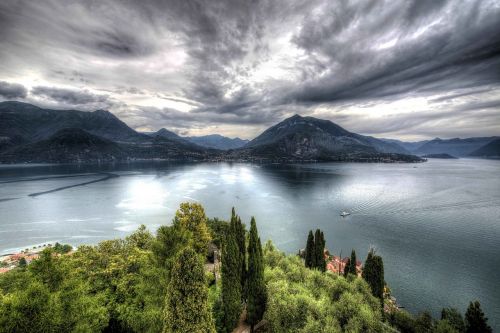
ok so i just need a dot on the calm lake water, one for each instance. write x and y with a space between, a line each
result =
436 224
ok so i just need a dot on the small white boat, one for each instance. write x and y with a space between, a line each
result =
344 214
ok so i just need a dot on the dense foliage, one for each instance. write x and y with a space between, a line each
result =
158 283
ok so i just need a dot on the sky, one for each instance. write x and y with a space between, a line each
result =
404 69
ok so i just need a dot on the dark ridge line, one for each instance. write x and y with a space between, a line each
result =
45 178
108 176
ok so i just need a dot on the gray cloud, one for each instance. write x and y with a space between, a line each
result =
426 57
67 96
236 64
12 90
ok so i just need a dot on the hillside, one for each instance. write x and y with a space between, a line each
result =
308 138
173 281
490 150
66 146
23 123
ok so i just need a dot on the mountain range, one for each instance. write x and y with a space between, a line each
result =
454 147
32 134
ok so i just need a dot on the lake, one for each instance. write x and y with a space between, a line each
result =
436 224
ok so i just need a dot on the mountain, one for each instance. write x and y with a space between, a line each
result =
455 147
66 146
308 138
409 146
26 129
24 123
165 134
217 141
490 150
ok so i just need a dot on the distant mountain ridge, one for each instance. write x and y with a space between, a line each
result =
455 147
217 141
490 150
27 130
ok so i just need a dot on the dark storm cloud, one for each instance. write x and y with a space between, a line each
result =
12 90
438 46
251 63
67 96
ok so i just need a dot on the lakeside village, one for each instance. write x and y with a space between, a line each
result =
333 264
338 265
26 256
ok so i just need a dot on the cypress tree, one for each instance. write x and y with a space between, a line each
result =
319 245
373 273
310 252
352 264
257 296
231 282
454 318
239 232
186 306
241 241
346 267
475 320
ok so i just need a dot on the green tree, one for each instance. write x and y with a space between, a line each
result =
310 254
169 241
475 320
346 267
424 323
444 326
27 310
22 262
191 217
403 321
141 238
454 318
352 264
319 245
186 306
257 297
238 229
373 273
47 270
231 282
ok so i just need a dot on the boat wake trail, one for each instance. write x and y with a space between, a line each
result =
385 209
106 177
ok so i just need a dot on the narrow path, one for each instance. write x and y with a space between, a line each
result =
242 326
108 176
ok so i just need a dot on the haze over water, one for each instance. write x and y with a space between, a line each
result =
435 224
